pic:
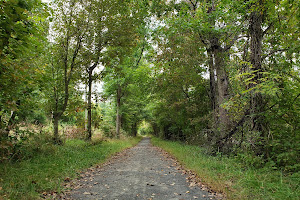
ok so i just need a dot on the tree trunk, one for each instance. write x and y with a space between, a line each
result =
55 128
222 85
118 115
85 109
256 102
89 107
156 129
212 82
134 129
219 90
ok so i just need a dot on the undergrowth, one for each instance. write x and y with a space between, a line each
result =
46 166
233 178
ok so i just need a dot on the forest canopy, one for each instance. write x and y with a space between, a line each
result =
223 75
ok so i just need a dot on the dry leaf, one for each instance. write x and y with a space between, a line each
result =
67 179
192 184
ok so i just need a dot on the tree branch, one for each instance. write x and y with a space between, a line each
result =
234 130
137 63
231 43
186 94
273 52
269 27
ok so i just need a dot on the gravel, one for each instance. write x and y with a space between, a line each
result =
141 172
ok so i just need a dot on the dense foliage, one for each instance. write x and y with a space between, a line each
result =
227 77
220 74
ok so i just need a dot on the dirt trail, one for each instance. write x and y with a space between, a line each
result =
142 172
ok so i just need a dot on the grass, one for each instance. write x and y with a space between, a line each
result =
228 176
47 169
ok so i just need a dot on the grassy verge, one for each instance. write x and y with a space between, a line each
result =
227 175
51 164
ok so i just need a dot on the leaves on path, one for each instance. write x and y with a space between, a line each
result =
87 193
86 178
192 178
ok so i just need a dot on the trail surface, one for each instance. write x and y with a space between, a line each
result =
142 172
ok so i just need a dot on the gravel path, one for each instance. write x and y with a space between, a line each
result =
142 172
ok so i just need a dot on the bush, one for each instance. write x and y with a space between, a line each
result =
108 129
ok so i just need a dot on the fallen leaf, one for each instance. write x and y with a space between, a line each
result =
67 179
187 192
192 184
86 193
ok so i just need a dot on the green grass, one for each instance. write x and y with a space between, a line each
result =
227 175
51 164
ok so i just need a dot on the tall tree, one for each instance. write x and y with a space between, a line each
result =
71 24
113 28
22 36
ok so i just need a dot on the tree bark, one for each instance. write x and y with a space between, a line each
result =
219 90
212 83
118 114
156 129
89 107
85 109
257 102
134 129
222 85
55 128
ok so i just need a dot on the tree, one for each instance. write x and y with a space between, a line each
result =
126 84
22 31
112 29
70 28
120 53
210 28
